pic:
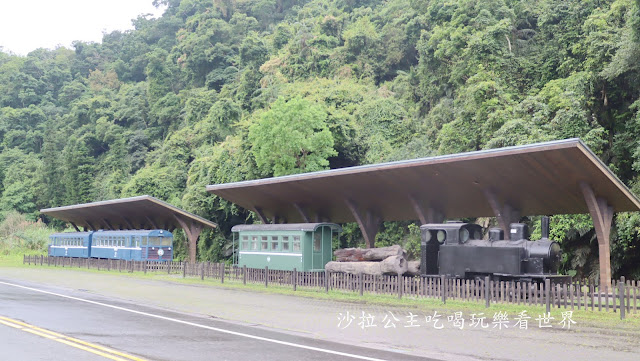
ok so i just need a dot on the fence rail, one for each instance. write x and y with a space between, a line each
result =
623 296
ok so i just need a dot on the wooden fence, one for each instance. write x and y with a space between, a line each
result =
582 295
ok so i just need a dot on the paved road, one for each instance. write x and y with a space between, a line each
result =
317 319
138 331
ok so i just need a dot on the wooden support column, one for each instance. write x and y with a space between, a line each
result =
128 222
91 226
260 214
425 215
504 213
152 222
192 231
602 215
303 213
106 221
368 222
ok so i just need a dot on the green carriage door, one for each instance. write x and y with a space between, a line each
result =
320 247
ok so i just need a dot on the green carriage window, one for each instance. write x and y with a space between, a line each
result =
245 245
274 243
265 243
296 243
285 243
254 243
317 241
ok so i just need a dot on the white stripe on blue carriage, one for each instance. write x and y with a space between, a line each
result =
119 248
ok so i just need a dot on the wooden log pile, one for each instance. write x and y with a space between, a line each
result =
372 261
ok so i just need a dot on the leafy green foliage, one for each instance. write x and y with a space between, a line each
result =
229 90
291 137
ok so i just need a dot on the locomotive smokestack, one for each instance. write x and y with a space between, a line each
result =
544 225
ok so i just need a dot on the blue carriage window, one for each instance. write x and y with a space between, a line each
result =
145 240
285 243
166 241
296 243
274 243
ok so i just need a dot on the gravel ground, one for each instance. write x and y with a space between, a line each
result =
380 327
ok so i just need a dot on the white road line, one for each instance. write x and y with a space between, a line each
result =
198 325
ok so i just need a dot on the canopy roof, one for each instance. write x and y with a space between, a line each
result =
303 227
143 212
536 179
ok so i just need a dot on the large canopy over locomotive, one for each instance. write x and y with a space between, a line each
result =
560 177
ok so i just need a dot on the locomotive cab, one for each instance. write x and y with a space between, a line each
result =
457 249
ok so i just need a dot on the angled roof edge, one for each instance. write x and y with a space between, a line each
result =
133 199
608 172
557 144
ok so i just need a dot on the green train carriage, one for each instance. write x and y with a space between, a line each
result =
303 246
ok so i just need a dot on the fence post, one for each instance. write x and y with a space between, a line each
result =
360 284
202 271
222 272
326 281
266 276
184 269
487 292
621 295
400 285
294 279
244 274
547 294
443 289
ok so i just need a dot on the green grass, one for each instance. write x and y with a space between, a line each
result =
592 319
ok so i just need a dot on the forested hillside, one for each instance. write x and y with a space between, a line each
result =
217 91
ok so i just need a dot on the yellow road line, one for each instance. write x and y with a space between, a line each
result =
70 341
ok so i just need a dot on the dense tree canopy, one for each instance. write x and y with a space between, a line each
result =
230 90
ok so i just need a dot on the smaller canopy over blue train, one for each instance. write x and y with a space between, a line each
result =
137 245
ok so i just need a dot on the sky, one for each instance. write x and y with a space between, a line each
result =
26 25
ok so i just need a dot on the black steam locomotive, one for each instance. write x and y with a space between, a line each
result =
457 249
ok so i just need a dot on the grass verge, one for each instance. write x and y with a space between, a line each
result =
585 318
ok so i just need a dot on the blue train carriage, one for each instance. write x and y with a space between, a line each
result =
138 245
303 246
70 244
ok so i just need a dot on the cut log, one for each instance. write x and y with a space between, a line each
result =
367 254
390 265
413 268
